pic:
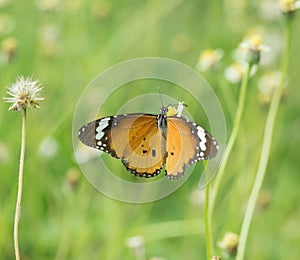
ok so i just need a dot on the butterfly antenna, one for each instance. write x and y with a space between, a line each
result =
162 103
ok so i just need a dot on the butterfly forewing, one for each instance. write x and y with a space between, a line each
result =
187 143
135 139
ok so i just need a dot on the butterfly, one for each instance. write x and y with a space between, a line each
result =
145 143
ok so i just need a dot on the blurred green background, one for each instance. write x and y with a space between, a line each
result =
65 44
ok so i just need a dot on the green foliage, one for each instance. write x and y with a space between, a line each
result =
67 45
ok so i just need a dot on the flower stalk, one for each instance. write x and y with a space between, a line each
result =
207 219
264 157
20 185
24 93
233 136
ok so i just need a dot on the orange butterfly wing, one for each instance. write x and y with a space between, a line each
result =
187 143
135 139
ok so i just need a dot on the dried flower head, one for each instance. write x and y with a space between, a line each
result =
229 243
24 94
209 59
289 6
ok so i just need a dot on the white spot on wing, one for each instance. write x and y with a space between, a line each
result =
202 146
103 123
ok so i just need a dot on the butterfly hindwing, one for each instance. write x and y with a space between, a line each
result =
134 138
187 143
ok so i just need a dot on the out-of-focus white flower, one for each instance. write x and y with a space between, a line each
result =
216 258
49 38
5 2
48 147
289 6
235 72
275 41
197 197
252 47
4 154
267 84
48 5
269 10
85 155
137 245
209 59
8 49
24 94
72 178
229 243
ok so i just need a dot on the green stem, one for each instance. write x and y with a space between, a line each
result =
234 133
268 133
207 219
20 184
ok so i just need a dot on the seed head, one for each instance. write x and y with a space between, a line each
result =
24 94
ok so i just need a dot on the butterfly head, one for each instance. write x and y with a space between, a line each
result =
164 110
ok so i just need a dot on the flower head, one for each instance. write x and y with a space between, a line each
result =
236 71
267 84
289 6
8 49
229 243
172 111
24 94
209 59
136 243
216 258
252 47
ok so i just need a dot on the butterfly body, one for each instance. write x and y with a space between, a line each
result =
146 142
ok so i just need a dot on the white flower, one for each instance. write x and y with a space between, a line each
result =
197 197
229 243
267 84
8 49
137 245
50 39
252 47
269 10
236 71
4 152
172 111
209 59
48 5
24 94
48 147
289 6
83 155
